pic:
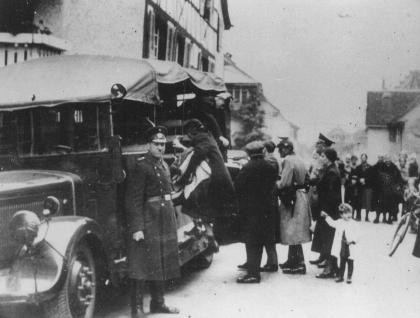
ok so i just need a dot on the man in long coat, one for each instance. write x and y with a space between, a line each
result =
255 188
316 172
295 215
153 246
329 189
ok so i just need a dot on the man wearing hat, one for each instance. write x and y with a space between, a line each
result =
153 246
316 172
323 143
295 215
255 189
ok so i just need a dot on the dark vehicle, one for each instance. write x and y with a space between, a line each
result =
70 129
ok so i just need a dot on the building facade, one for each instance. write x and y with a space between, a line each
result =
393 122
189 32
22 39
251 110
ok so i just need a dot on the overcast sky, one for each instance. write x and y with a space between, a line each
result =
317 59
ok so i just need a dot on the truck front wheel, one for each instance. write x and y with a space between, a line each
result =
78 295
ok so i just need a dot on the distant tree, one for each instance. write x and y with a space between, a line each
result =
251 117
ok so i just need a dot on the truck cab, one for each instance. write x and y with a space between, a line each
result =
68 138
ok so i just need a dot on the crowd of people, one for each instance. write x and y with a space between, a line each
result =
385 187
277 201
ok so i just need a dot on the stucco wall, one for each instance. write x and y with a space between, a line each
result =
106 27
377 142
275 124
411 134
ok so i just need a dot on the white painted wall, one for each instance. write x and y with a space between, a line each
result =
104 27
411 134
276 124
377 143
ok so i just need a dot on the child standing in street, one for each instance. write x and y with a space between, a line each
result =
345 238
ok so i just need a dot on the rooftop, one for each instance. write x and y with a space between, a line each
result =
386 107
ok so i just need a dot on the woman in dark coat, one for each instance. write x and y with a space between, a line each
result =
363 173
258 208
217 197
388 188
329 191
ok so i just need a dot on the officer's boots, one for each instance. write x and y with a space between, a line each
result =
136 299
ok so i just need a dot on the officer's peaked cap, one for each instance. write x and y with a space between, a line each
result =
324 139
156 134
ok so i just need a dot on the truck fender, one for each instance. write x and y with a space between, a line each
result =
47 264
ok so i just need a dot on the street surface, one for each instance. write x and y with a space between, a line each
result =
382 286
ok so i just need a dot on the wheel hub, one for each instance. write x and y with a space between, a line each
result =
85 286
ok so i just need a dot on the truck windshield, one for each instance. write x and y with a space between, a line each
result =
63 129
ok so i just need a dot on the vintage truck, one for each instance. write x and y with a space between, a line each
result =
69 131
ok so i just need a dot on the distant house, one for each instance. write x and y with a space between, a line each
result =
246 91
393 121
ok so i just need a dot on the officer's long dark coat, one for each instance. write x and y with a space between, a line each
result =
155 258
329 190
258 204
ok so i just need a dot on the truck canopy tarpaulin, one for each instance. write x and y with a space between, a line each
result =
173 73
74 78
51 81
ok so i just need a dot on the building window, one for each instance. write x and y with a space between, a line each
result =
153 37
205 64
396 133
170 44
244 95
16 57
237 93
187 56
199 62
208 8
180 50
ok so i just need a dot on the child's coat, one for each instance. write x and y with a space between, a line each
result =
352 234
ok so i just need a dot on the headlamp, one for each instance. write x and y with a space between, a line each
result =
24 227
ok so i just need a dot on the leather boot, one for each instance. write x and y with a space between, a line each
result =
136 301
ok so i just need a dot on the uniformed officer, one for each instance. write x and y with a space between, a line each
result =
316 172
153 246
295 215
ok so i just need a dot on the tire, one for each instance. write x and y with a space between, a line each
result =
202 261
400 233
78 296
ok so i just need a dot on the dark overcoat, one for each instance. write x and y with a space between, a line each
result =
364 171
219 199
155 257
387 187
329 191
258 205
